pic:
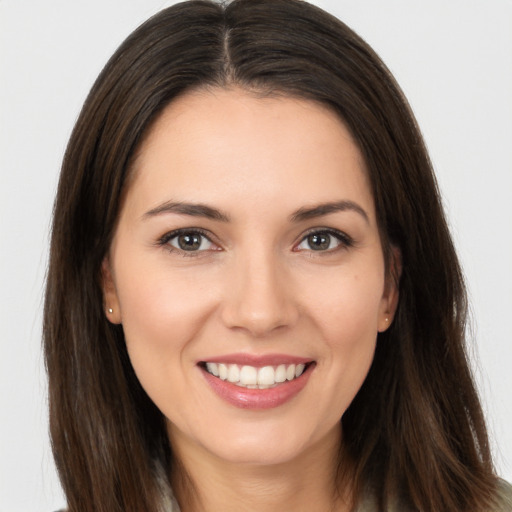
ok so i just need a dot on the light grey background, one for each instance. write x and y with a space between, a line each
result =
453 59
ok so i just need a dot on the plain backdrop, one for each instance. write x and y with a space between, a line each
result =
453 59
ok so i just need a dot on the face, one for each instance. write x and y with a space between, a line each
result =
248 274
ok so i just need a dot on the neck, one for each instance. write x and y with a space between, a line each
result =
204 483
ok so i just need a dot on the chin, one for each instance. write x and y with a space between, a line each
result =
258 451
266 443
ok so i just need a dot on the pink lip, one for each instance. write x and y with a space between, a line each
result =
255 399
257 361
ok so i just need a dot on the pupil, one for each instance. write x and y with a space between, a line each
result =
189 242
319 242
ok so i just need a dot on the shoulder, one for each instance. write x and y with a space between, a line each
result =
504 497
503 500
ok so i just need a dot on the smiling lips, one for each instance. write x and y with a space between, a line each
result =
251 377
260 385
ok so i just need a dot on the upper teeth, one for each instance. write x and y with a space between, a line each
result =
253 377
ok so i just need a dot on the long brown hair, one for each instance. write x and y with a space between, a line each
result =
415 431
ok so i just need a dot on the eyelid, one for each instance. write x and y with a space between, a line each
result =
346 241
164 240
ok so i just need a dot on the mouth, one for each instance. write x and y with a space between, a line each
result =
257 383
253 377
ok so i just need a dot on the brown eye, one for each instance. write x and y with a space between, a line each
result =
190 242
323 241
319 241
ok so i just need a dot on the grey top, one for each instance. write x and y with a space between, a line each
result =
369 504
504 495
169 504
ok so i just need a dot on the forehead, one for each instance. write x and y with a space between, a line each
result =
217 143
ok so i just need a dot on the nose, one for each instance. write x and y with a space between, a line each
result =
259 296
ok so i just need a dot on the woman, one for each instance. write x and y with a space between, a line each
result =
253 298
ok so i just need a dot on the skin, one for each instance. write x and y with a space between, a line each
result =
255 287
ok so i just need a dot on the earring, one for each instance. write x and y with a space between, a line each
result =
110 311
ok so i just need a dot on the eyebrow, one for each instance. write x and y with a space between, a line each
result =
192 209
302 214
319 210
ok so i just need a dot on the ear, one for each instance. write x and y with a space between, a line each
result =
110 298
389 301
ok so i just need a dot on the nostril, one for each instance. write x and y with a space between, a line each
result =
259 319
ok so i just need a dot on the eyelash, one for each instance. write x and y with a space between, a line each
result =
165 239
345 241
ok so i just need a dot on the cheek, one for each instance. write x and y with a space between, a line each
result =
347 316
161 317
348 306
160 302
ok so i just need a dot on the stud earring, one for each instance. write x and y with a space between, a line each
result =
110 310
386 320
